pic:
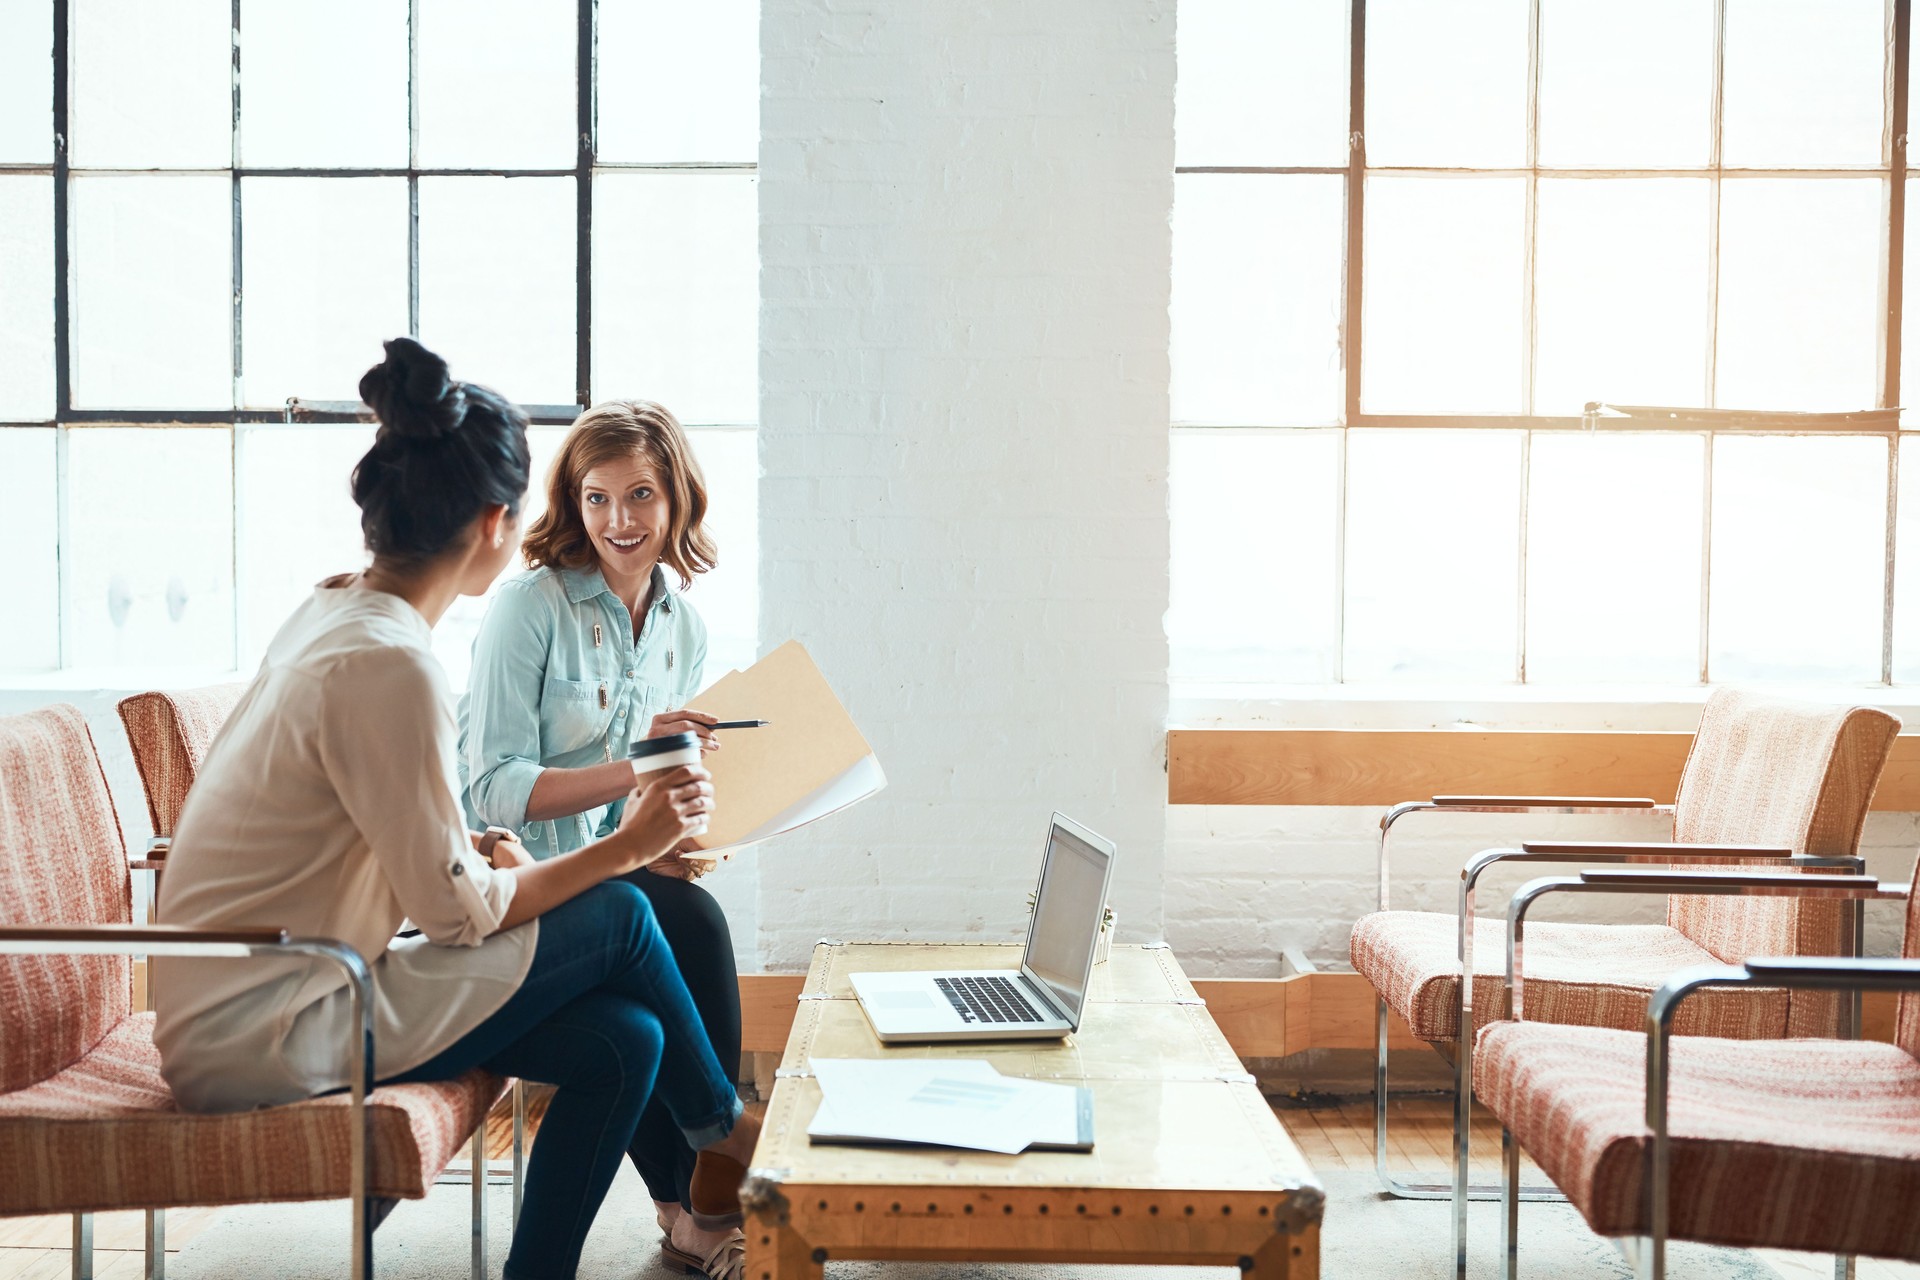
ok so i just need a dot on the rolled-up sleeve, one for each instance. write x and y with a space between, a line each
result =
387 742
502 731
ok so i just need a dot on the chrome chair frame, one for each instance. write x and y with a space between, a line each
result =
1438 1189
1648 1253
1461 1189
138 940
154 864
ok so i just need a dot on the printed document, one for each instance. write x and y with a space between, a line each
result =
962 1102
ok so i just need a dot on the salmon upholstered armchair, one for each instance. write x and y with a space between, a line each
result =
170 734
1808 1144
1767 779
87 1123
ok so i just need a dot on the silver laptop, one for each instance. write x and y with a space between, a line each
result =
1042 999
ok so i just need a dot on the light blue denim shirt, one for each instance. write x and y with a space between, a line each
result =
559 681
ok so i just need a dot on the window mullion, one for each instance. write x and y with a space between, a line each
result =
1717 176
238 358
586 144
1528 330
62 274
63 542
1888 580
1356 204
1356 185
1520 611
1340 555
62 336
1716 163
1894 280
1894 283
413 168
1706 553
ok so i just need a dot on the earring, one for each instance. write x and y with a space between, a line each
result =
496 540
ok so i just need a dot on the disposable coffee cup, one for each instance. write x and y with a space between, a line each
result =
652 755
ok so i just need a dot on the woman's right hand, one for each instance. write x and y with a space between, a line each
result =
665 812
686 720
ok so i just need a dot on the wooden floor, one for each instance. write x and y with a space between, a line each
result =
1332 1133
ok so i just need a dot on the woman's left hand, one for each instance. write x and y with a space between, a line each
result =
503 852
508 852
677 866
687 720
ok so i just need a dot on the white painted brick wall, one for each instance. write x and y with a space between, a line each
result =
965 274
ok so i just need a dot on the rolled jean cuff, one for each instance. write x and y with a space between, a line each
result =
705 1135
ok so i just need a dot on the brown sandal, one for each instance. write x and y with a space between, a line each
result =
727 1260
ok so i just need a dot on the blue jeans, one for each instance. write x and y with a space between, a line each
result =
696 929
604 1014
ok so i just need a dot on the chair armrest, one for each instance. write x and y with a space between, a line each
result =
1522 804
1502 804
157 850
1761 881
1758 882
1545 802
243 941
1869 973
158 939
1615 851
1603 851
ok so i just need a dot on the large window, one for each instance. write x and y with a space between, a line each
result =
212 211
1414 241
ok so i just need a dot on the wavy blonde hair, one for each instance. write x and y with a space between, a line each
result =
615 431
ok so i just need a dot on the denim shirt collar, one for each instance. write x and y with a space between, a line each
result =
585 584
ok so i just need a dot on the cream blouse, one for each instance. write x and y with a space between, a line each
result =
327 806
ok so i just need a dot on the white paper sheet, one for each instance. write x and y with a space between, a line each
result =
961 1102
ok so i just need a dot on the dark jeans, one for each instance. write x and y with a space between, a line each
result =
604 1015
697 931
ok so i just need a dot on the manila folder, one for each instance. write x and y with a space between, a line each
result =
810 761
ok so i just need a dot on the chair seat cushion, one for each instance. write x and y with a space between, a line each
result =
1794 1144
105 1134
1598 975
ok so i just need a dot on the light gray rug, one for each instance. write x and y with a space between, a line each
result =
1366 1235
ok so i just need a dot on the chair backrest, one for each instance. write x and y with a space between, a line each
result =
62 861
170 733
1906 1018
1767 770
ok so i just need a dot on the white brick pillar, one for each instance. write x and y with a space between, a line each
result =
965 262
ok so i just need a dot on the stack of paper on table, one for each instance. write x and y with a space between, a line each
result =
960 1102
810 761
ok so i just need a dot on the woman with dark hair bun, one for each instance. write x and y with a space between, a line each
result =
327 806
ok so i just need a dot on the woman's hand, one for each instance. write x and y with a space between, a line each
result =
675 867
664 813
687 720
508 853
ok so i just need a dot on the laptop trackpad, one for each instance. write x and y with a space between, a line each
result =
903 999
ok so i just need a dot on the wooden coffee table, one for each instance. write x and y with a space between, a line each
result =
1189 1164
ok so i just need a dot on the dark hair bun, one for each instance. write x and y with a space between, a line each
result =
445 451
411 393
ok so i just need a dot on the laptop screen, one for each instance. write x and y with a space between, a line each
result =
1066 915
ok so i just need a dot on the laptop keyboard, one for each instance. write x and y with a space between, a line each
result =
987 1000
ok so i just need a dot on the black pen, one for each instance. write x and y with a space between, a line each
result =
739 724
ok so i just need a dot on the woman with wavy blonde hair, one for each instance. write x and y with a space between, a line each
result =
588 649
